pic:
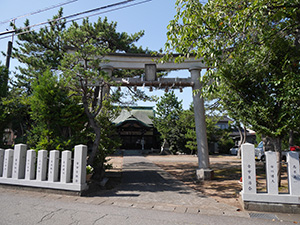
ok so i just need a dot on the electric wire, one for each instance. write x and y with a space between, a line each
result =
73 15
66 17
38 11
111 10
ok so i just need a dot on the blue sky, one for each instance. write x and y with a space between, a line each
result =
152 17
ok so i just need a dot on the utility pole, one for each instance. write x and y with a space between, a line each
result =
9 47
8 55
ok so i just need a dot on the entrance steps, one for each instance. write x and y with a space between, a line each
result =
135 152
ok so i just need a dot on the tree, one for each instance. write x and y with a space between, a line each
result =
58 120
52 117
49 52
214 133
255 47
88 44
187 122
168 111
39 51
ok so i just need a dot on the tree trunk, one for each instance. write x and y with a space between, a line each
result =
92 157
93 154
239 155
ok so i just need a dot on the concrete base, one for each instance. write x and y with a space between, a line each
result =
204 174
44 190
271 207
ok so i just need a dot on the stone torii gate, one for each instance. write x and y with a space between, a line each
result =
150 65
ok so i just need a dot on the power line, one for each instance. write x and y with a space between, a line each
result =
111 10
38 11
74 15
70 16
97 9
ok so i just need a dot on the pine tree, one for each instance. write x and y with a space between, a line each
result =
89 43
39 51
167 113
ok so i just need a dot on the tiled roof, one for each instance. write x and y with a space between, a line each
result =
141 114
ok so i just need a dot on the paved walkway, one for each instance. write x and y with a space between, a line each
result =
148 186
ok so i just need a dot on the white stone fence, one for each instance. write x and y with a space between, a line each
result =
27 168
249 192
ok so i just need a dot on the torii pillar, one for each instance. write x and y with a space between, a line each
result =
203 172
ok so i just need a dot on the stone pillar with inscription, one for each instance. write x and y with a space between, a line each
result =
79 167
41 173
203 172
19 161
271 170
30 165
65 172
248 169
8 163
293 173
53 166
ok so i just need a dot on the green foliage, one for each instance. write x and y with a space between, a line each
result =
58 119
65 109
167 113
39 51
3 81
224 142
89 169
254 46
214 133
177 126
187 122
258 97
17 109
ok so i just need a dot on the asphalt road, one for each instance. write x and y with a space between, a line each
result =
23 207
148 195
